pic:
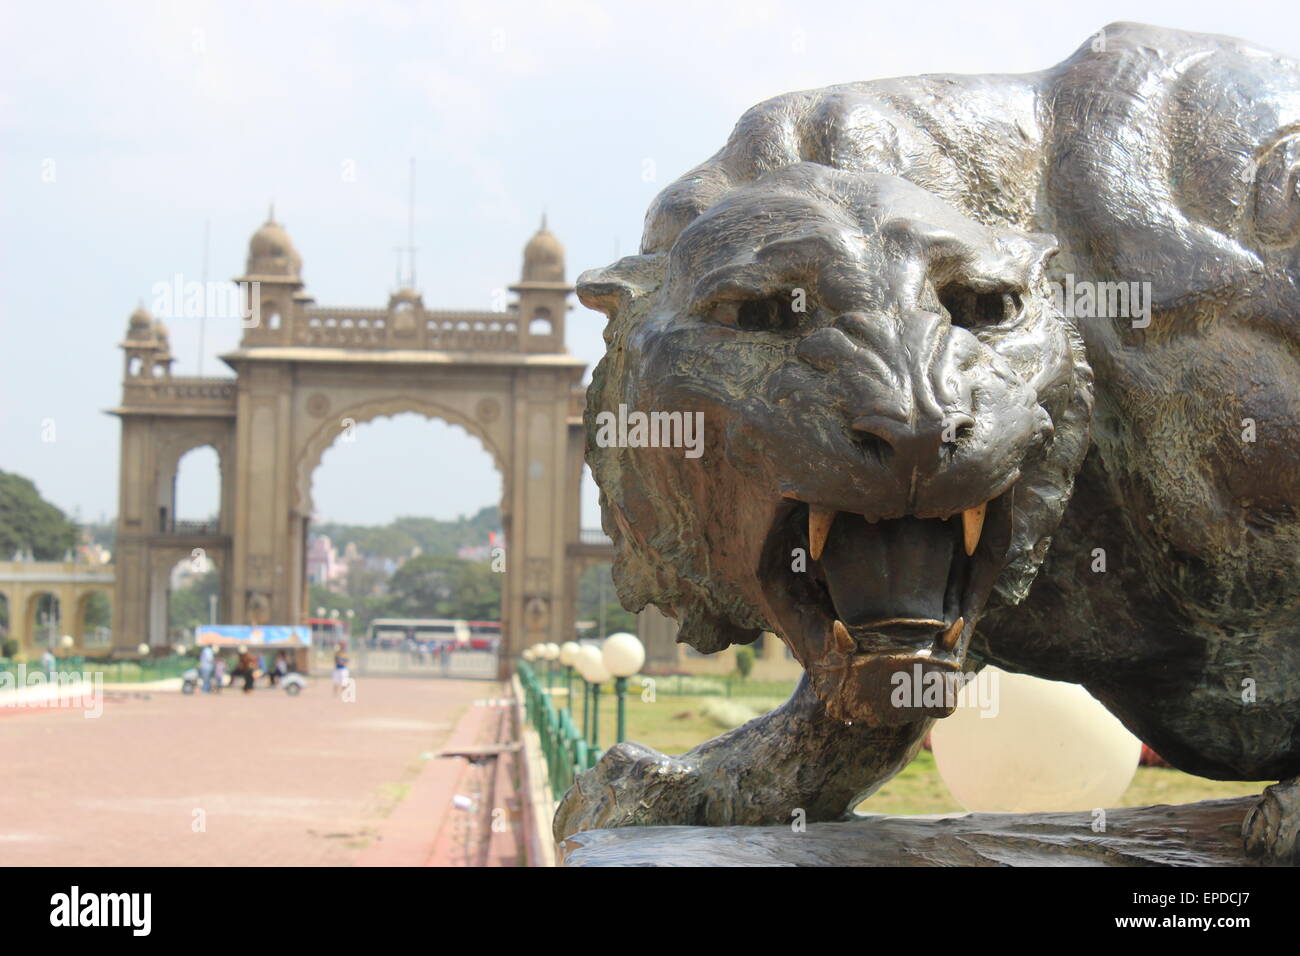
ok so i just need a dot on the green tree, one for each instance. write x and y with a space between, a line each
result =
434 585
744 661
597 583
29 521
363 582
189 606
99 610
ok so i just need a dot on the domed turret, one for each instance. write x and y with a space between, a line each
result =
271 251
139 327
543 257
160 336
147 350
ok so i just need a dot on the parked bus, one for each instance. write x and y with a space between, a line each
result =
424 633
485 635
325 631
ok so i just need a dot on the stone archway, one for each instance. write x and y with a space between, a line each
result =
350 416
70 583
314 371
82 631
328 434
40 615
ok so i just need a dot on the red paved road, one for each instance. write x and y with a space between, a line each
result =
282 781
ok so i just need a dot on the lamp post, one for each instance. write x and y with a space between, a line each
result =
622 654
552 656
568 656
591 664
544 664
578 664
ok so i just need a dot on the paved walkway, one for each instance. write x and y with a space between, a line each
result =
214 780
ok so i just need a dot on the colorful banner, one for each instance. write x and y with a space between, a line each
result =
253 635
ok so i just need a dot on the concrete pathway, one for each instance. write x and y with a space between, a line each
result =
161 778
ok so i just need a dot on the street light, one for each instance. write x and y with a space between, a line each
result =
550 653
591 665
568 657
622 654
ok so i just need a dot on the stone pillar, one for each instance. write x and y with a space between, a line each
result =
136 519
266 533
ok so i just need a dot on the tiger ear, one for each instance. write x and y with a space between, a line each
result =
615 287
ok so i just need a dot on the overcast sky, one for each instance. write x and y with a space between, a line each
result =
128 127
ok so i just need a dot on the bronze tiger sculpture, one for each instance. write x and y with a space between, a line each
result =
872 295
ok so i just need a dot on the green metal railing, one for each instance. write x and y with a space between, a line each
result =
565 749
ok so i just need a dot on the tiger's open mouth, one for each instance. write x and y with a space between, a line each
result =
862 600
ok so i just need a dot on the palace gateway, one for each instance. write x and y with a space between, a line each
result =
305 376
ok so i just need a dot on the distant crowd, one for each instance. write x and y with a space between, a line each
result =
220 670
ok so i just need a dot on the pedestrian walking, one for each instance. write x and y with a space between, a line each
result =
340 668
248 664
206 664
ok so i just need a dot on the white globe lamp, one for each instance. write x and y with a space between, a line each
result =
1020 744
622 654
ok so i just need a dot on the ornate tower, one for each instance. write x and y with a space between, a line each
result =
272 286
163 417
543 294
148 354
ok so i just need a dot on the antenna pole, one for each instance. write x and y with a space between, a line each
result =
203 316
410 230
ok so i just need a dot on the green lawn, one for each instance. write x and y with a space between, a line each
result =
674 724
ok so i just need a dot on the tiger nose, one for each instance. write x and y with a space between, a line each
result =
910 446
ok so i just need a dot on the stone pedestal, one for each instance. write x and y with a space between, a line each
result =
1195 834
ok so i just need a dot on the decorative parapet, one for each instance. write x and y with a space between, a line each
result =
55 572
408 328
214 396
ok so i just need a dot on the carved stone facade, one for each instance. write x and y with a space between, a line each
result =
305 377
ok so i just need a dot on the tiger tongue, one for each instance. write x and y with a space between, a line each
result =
888 570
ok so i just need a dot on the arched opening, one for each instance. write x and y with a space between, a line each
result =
193 596
95 620
540 324
406 527
196 492
44 621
